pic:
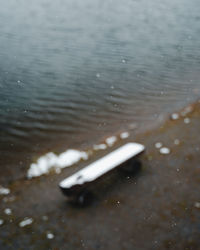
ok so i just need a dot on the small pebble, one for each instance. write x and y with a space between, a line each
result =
8 211
50 236
158 144
164 151
1 222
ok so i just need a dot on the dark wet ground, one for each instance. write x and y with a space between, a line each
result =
157 209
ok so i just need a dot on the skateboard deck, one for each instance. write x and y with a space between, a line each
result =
102 166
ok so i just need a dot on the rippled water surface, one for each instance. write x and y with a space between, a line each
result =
74 71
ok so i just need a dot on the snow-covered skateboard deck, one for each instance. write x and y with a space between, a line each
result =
71 185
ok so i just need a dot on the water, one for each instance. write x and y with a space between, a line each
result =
72 72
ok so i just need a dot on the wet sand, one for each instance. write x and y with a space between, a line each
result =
157 209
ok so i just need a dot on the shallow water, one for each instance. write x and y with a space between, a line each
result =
72 72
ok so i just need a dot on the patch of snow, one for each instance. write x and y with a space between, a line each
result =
100 147
158 145
187 120
175 116
165 151
50 236
124 135
27 221
50 160
111 140
4 191
8 211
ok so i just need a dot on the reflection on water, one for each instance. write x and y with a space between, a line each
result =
72 71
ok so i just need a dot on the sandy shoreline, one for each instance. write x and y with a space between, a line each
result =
158 209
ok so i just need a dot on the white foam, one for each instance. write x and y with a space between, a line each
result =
124 135
45 163
4 191
111 140
27 221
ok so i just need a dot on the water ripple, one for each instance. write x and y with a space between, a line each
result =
78 70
